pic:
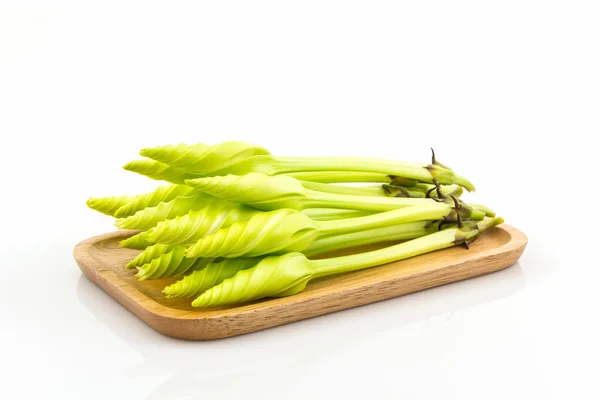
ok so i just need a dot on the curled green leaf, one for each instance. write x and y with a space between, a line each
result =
213 274
273 192
161 194
241 158
202 159
159 171
171 263
263 233
274 276
289 230
149 254
288 274
222 269
151 216
107 205
139 241
188 228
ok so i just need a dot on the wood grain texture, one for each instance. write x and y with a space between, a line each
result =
103 262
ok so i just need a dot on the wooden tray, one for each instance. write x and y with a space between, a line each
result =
102 261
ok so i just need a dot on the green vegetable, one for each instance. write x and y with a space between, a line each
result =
149 254
194 225
376 190
220 159
340 176
202 159
328 214
488 211
223 268
229 208
288 274
422 190
188 228
108 205
150 216
213 274
419 190
391 233
171 263
273 192
161 194
159 171
289 230
138 242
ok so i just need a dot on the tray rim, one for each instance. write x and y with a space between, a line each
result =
154 313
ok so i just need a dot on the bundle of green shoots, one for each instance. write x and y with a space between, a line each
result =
237 224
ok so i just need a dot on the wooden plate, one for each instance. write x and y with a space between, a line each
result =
102 261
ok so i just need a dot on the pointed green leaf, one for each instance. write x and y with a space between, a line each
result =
159 171
108 205
202 159
213 274
159 195
188 228
264 233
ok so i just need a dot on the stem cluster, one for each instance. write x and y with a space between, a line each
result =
240 224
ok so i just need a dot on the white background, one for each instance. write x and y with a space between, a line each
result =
508 93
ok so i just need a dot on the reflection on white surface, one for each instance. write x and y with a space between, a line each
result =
209 368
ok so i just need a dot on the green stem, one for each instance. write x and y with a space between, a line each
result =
316 199
488 211
433 211
489 223
311 163
328 214
416 171
216 272
339 176
420 190
241 158
351 190
394 233
435 241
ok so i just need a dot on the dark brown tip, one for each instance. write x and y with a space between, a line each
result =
456 203
401 181
459 240
428 194
442 223
438 189
396 191
434 161
402 192
457 207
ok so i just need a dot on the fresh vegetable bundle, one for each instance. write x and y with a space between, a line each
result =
237 223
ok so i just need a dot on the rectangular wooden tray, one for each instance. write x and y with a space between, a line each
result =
102 261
